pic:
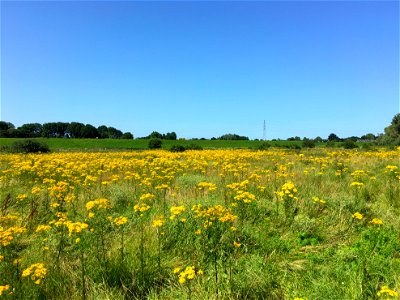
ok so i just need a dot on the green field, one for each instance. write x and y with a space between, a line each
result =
140 144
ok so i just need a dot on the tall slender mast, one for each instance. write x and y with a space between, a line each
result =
264 131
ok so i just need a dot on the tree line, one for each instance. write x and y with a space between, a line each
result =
61 130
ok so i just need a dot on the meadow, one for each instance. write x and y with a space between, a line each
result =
64 144
214 224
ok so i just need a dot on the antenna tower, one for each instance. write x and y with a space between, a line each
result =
264 131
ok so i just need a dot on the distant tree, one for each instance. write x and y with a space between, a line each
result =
391 135
31 130
114 133
155 143
155 135
318 139
233 137
6 129
127 136
353 138
296 138
103 132
89 132
170 136
6 125
333 138
368 137
392 132
54 129
74 130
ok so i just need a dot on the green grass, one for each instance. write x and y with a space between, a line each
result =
269 247
56 144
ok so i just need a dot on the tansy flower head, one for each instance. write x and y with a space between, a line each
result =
385 290
36 271
120 220
376 221
357 216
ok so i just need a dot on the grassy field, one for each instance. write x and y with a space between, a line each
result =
211 224
56 144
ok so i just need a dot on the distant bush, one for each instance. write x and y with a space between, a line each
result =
29 146
180 148
194 147
330 144
307 143
177 148
349 144
155 143
264 146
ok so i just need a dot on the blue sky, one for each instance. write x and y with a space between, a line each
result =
203 69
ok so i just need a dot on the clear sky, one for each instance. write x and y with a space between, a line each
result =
203 69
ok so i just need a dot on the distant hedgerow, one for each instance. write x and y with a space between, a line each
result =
29 146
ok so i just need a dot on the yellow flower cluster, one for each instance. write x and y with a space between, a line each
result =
357 216
176 210
158 222
385 290
98 204
188 274
120 220
7 235
147 197
288 191
376 221
143 207
357 184
22 197
42 228
75 227
391 168
4 288
245 197
207 186
217 212
36 271
318 200
359 174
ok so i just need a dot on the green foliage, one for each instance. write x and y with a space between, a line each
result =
29 146
181 148
349 144
307 143
333 138
233 137
155 143
264 146
177 148
392 133
127 136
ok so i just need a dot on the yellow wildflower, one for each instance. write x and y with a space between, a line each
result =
385 290
236 244
376 221
41 228
357 216
120 220
36 271
4 288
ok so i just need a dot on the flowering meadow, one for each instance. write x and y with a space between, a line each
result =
212 224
